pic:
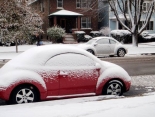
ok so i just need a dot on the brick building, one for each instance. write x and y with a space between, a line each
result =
69 14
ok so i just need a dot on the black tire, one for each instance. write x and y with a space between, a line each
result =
113 87
90 51
121 52
24 94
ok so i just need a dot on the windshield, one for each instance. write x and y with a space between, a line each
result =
91 41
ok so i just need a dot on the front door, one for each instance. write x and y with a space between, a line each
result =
77 74
63 23
102 47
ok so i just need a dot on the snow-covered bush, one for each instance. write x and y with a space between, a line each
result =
87 37
105 31
56 33
123 36
95 33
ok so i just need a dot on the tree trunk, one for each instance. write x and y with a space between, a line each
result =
135 40
16 46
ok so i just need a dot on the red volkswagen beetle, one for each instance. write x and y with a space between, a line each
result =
58 71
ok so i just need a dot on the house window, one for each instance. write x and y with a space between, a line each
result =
146 6
59 3
85 22
83 3
78 3
41 7
149 26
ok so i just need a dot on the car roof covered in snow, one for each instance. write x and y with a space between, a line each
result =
103 37
40 54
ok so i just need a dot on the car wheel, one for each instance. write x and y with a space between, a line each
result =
91 51
121 52
24 94
113 87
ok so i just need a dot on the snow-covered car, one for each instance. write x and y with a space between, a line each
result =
102 46
58 71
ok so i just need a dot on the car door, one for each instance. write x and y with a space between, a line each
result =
102 47
77 73
112 45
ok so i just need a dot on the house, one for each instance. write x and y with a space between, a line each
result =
109 19
71 15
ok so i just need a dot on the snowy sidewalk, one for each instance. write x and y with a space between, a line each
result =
142 49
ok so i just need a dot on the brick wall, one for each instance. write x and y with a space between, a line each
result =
67 5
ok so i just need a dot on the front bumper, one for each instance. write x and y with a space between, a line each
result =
127 85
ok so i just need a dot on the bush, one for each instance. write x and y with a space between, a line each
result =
123 36
56 33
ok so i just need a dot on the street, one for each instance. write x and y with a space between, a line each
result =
143 65
135 66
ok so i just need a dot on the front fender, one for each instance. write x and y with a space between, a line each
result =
10 80
111 73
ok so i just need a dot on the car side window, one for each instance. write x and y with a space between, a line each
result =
70 59
112 42
103 41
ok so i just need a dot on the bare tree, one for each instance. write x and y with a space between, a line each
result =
18 21
132 11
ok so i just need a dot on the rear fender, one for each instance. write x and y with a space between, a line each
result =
16 78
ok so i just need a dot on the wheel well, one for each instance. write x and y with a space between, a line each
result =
115 79
26 84
91 50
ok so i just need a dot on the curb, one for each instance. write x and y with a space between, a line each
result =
147 54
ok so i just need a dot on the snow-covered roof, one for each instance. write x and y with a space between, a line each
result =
121 16
65 13
79 32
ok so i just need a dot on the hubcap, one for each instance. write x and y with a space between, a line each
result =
24 96
121 53
114 89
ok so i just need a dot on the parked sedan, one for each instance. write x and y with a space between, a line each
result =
58 71
103 46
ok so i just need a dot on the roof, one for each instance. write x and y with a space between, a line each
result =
65 13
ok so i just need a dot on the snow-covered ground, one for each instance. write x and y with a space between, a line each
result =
10 52
95 106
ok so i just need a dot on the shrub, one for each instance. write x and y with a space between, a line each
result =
123 36
56 34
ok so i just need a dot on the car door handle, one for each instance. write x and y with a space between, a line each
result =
63 73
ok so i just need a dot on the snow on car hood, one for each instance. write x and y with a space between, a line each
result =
85 46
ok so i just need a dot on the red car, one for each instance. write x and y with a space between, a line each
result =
58 71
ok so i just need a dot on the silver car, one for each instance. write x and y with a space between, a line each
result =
103 46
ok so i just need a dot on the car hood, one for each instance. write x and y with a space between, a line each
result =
85 46
112 70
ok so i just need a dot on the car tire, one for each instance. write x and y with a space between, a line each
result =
24 94
90 51
121 52
113 87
